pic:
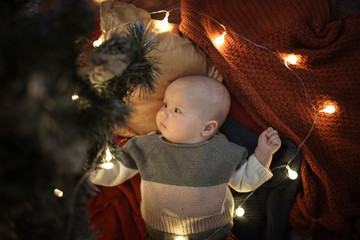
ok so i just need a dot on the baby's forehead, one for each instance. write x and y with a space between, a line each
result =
192 85
206 87
195 92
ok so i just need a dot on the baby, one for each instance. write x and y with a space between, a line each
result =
187 167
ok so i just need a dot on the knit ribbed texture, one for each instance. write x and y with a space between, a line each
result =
272 95
217 158
188 225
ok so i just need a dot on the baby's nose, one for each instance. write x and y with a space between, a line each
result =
164 112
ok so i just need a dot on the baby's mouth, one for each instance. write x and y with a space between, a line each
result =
162 125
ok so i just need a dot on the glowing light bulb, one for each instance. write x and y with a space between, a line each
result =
58 192
179 238
163 25
108 155
329 109
240 211
107 165
98 42
75 97
292 59
220 39
292 174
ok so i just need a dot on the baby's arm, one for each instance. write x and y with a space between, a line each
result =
112 177
249 176
124 167
268 143
255 171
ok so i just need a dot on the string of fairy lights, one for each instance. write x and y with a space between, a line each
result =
218 41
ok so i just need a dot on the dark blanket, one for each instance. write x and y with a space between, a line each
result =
267 209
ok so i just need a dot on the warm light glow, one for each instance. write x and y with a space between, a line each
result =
179 238
292 174
292 59
220 40
58 192
98 42
99 1
108 155
163 25
240 211
107 165
75 97
329 109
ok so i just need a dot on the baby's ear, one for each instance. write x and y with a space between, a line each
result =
209 128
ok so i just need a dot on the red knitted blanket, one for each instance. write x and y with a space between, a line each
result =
329 71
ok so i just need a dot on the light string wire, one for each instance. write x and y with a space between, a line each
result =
307 97
272 169
134 21
157 12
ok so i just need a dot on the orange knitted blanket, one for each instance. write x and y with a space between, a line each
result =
329 72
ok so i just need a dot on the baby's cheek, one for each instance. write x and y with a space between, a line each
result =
157 117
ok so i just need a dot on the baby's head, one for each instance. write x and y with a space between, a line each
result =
194 109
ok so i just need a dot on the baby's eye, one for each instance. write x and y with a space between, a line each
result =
176 110
165 105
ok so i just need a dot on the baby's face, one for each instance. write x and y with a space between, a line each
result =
182 118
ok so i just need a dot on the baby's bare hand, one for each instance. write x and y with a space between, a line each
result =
269 141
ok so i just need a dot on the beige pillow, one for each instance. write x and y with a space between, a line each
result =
177 57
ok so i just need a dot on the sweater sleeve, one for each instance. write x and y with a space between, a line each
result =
112 177
126 166
249 176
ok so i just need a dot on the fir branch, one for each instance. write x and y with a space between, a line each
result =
142 71
115 45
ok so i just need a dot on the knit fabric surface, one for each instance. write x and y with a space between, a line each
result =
230 236
328 71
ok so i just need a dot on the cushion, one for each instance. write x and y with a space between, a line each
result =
177 56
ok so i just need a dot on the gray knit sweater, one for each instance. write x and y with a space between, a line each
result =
185 186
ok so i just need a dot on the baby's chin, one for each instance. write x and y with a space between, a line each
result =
183 141
169 138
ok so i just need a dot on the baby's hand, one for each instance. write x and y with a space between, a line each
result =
268 143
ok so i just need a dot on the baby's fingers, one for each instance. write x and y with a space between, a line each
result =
270 131
274 140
